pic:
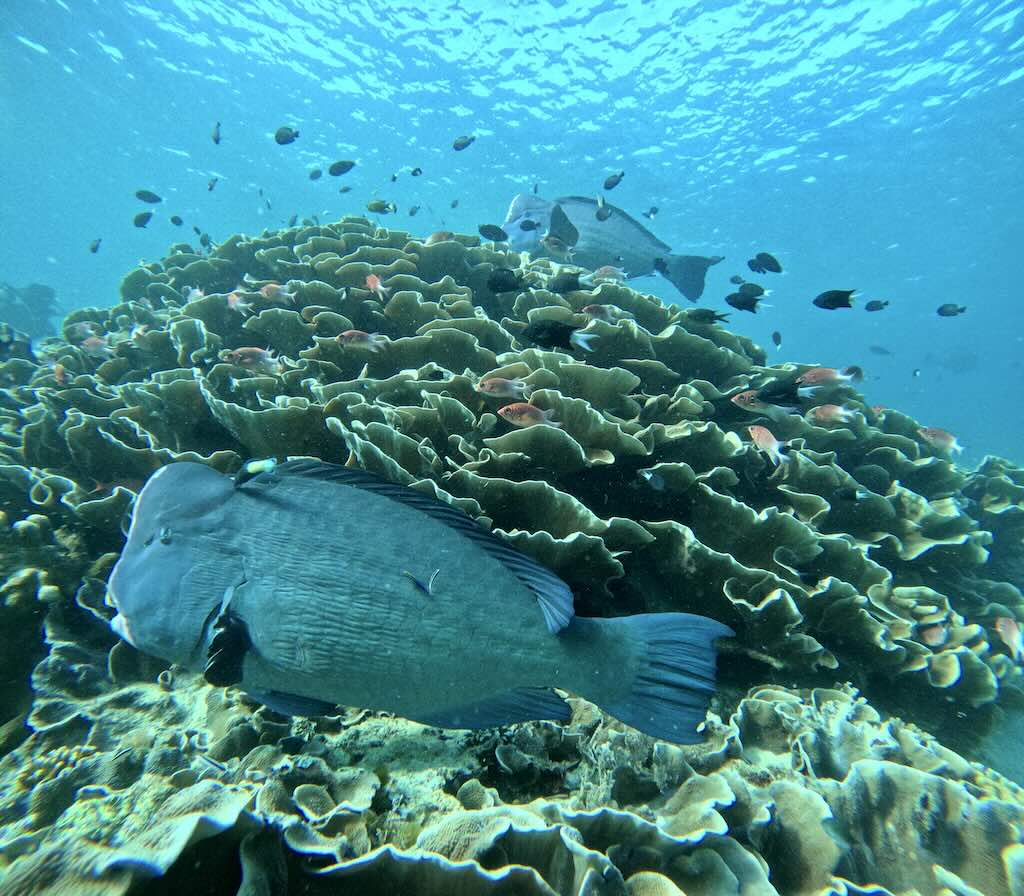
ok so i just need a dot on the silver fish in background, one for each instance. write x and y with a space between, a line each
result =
618 240
269 582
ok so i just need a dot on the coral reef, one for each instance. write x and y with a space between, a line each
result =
867 557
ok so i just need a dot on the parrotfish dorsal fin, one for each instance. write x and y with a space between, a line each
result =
553 595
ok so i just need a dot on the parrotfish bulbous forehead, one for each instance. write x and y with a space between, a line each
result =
173 545
527 207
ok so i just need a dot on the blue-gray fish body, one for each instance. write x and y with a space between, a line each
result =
617 241
312 585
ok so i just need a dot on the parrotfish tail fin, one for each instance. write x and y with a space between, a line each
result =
686 272
855 373
562 228
582 340
807 391
676 676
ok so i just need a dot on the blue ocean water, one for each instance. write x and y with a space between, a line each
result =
869 145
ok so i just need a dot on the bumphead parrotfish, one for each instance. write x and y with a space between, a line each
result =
615 239
309 585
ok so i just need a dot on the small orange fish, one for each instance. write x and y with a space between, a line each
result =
275 292
940 439
439 236
523 415
763 439
811 380
373 283
83 329
96 347
499 387
750 402
236 303
373 342
820 375
934 635
557 248
194 293
830 413
260 359
138 331
878 409
607 272
1009 633
60 374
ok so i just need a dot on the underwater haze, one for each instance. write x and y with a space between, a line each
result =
511 448
870 146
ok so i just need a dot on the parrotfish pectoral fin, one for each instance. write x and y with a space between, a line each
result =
562 228
292 704
553 595
519 705
686 272
669 696
227 651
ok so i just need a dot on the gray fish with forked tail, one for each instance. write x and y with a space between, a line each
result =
618 240
269 582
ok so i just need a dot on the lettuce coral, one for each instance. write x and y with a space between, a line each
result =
867 557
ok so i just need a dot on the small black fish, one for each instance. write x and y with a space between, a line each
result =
751 289
535 186
416 172
528 224
565 281
613 180
315 174
215 136
783 393
875 305
846 493
142 219
94 246
651 212
394 177
832 299
705 316
555 334
204 240
737 279
917 371
455 203
504 280
380 206
493 232
293 220
345 189
340 167
260 191
176 220
603 212
211 184
879 350
196 230
743 302
776 339
462 142
148 196
267 202
762 263
950 310
413 209
285 135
